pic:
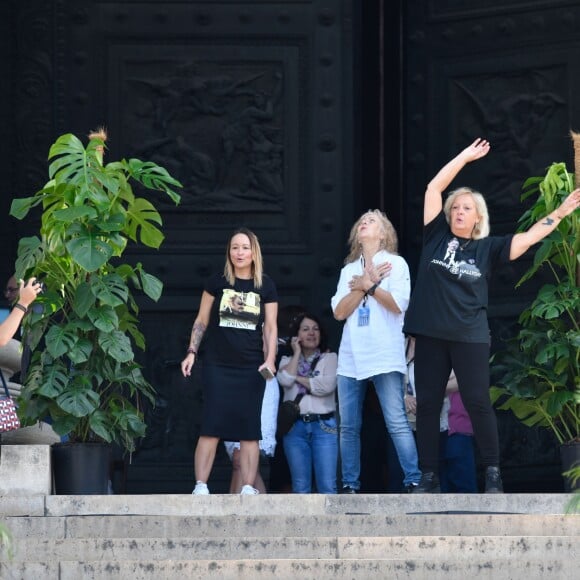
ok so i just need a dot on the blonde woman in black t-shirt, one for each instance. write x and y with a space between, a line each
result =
448 309
237 320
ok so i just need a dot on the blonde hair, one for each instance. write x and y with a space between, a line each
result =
481 228
388 243
257 263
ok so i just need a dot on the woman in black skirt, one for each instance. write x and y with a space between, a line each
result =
237 316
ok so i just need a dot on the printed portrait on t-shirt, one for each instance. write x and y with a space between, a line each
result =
459 268
239 309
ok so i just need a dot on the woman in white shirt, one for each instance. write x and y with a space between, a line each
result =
371 297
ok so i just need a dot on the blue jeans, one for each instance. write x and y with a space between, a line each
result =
459 472
351 395
309 445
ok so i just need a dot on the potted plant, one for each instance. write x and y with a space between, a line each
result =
537 377
82 376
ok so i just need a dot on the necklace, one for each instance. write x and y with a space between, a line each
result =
464 245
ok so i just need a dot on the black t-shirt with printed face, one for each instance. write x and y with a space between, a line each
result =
450 297
234 333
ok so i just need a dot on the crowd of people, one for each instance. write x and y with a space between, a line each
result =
426 353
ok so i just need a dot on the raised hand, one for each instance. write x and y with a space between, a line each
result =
478 149
570 204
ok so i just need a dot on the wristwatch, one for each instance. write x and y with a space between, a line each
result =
372 289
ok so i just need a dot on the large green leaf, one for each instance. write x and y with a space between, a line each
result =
75 213
60 340
151 285
110 290
101 425
104 318
55 381
64 424
29 254
84 299
88 250
21 206
142 214
154 177
79 400
81 352
117 345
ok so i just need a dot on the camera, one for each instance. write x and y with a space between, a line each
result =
40 282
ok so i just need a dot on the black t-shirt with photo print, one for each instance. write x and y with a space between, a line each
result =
450 297
234 334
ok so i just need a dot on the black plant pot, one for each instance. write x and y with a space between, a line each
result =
570 455
80 468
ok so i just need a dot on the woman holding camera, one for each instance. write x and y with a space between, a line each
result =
310 373
27 294
237 317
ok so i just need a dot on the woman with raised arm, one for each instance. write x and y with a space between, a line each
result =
237 316
448 310
27 294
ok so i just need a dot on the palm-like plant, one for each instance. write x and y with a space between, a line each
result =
538 377
83 373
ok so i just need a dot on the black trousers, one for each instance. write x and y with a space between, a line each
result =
434 359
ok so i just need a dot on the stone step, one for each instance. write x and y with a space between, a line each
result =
481 568
283 504
235 526
431 548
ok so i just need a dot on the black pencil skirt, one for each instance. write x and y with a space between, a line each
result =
232 403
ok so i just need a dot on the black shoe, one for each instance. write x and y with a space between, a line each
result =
410 488
348 489
429 484
493 482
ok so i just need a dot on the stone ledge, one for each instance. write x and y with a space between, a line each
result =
303 505
25 470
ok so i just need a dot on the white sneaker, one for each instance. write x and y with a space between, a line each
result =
200 489
249 490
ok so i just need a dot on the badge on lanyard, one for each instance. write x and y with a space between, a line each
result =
364 313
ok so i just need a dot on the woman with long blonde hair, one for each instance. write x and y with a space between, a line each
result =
371 297
237 320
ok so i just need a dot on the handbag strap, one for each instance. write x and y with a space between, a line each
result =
313 365
299 396
4 383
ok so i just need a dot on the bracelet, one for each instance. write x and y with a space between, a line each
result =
21 307
191 351
371 290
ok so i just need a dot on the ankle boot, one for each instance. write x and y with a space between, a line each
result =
493 483
429 484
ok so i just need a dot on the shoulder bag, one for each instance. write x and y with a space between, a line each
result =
9 420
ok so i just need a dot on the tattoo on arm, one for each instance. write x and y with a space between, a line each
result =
549 221
197 334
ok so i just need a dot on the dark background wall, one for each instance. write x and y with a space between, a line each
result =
292 118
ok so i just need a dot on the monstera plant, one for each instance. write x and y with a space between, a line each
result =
537 376
83 377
